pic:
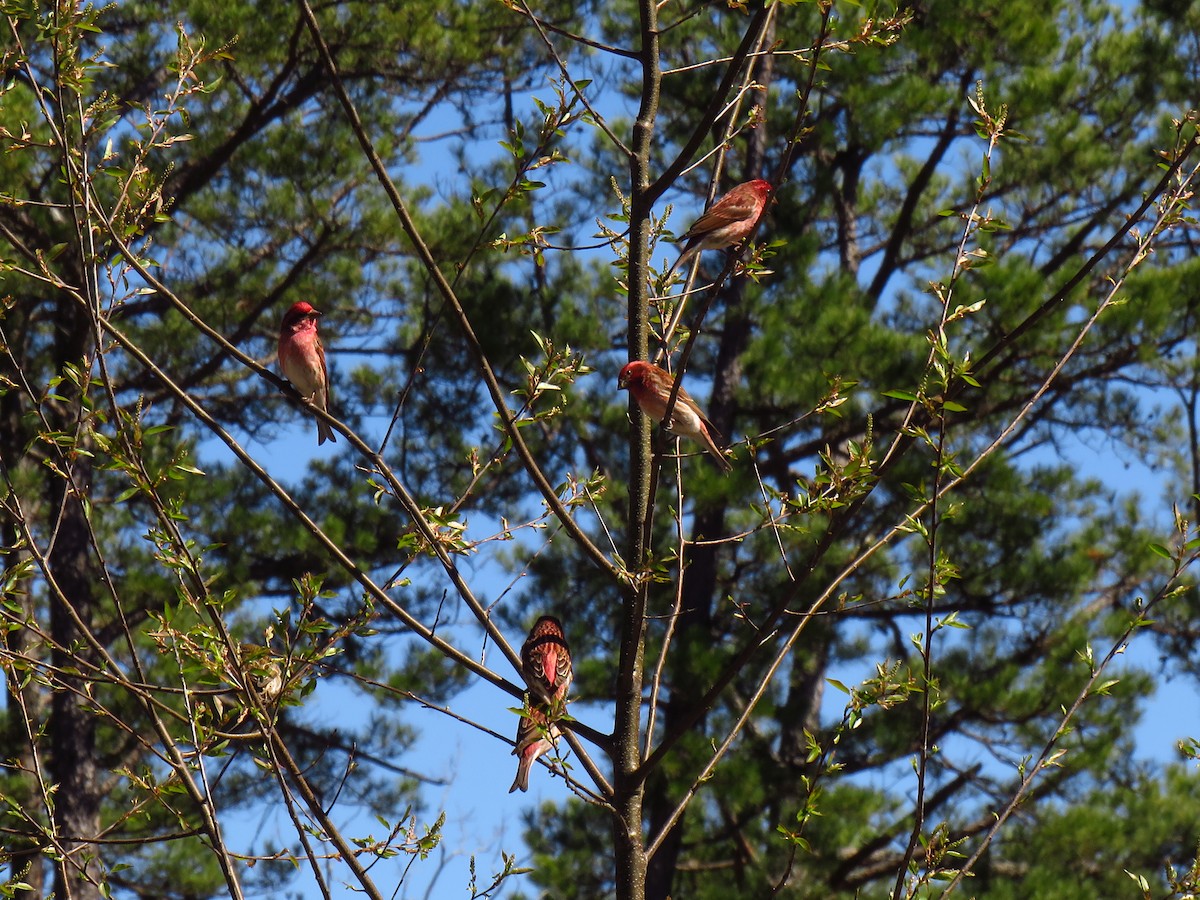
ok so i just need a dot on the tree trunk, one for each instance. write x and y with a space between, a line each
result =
72 725
25 704
72 732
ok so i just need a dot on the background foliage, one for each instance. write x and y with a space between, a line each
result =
980 260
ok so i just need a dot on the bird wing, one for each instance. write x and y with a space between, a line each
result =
724 212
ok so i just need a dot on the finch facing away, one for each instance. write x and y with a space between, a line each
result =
546 660
651 388
533 739
302 360
727 222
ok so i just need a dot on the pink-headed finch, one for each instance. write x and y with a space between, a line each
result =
651 388
302 360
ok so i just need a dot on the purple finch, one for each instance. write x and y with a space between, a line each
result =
533 739
302 359
546 660
651 388
727 222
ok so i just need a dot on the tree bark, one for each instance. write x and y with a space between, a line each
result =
72 729
25 704
25 709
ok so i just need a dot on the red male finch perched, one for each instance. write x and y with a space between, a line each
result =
302 359
651 388
727 222
533 739
546 660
